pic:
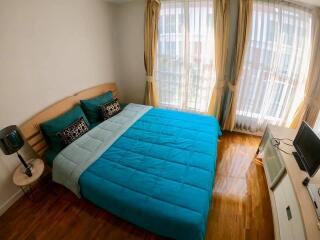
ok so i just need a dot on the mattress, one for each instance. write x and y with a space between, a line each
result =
159 174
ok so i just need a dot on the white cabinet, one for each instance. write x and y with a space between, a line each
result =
290 222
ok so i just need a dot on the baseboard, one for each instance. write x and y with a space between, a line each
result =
10 201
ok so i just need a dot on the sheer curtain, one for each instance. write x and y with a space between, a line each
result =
317 126
276 65
185 71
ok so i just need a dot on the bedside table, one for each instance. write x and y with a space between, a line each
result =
21 180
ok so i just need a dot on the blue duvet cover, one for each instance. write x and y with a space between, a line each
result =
159 174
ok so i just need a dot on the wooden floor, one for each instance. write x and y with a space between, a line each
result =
240 208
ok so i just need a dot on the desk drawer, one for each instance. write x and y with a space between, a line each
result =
289 216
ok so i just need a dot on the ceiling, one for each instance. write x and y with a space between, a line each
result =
118 1
309 2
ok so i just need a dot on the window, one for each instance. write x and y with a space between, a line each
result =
317 126
275 66
185 71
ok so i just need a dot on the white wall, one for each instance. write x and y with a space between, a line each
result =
49 49
130 50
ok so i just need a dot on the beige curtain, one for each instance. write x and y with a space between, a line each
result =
151 17
221 31
309 109
243 34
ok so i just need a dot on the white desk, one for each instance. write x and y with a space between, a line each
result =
288 196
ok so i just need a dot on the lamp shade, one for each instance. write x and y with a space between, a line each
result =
10 140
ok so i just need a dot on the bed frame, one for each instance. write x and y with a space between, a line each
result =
31 130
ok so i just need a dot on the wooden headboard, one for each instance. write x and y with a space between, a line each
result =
31 130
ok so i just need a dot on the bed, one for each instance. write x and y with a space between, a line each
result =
152 167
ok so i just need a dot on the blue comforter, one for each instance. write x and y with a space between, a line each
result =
159 174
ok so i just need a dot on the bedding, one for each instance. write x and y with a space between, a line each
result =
91 106
73 160
49 155
110 109
51 128
73 132
157 171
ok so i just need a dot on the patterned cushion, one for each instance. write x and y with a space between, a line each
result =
73 131
110 109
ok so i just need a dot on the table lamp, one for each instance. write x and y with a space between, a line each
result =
10 142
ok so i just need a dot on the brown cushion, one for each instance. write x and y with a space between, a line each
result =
73 131
110 109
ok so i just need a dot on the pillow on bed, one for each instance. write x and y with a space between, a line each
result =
91 106
58 124
49 155
108 110
73 132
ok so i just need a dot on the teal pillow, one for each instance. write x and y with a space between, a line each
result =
51 128
91 106
49 155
